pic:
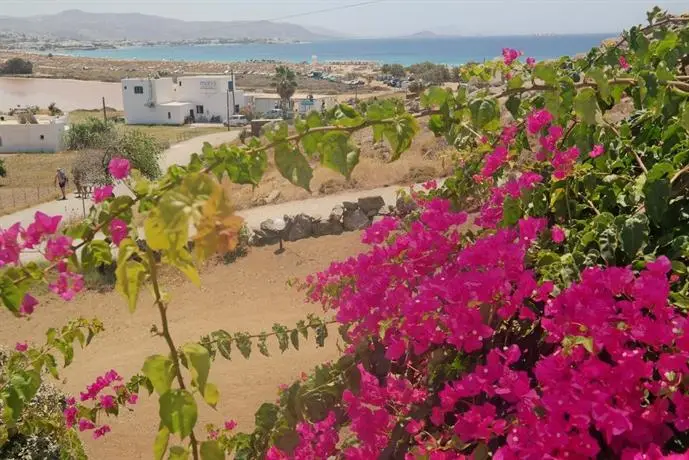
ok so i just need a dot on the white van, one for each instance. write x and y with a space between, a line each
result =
237 120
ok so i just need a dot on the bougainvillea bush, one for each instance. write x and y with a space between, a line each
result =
533 305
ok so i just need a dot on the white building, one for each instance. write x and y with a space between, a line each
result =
261 103
44 136
173 101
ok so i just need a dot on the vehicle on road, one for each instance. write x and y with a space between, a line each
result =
237 120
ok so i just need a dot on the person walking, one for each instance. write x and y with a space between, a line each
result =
61 181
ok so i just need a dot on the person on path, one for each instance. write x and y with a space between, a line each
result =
61 180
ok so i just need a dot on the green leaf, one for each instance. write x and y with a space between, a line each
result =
515 82
512 104
10 294
266 416
199 362
657 193
321 334
571 341
262 344
243 344
546 72
178 453
182 260
483 112
511 211
434 97
211 395
281 335
160 444
96 254
294 338
659 171
400 134
684 116
160 371
178 412
224 341
211 450
585 106
130 276
19 391
634 235
293 166
338 154
602 81
346 116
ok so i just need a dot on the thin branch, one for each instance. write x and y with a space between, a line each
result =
679 173
162 309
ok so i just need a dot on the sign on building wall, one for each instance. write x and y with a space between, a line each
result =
208 84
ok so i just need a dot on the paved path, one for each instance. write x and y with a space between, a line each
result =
73 207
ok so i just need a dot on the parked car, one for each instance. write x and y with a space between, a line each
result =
237 120
273 114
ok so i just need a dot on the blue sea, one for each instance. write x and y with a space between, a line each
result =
455 50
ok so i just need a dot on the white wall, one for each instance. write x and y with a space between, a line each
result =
265 104
27 138
207 91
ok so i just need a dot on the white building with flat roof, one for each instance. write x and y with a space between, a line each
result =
41 134
261 103
174 101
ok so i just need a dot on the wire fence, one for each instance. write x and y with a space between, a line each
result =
18 198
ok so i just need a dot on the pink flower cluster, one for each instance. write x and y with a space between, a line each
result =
510 55
316 440
492 211
602 369
15 239
104 402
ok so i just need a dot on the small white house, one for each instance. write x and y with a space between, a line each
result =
261 103
174 101
46 135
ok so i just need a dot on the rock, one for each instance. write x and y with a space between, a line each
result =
337 213
355 220
301 227
328 227
273 196
405 205
263 238
275 226
371 205
350 206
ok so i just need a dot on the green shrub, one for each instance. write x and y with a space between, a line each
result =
17 66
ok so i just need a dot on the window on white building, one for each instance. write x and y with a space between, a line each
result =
199 109
138 90
0 141
169 116
42 137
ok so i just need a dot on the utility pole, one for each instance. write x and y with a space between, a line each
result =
228 109
234 103
105 114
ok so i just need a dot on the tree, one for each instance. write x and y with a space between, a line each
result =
395 70
430 73
17 66
285 82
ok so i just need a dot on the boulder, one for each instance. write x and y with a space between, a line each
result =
337 213
350 205
355 220
301 227
275 226
328 227
263 238
405 205
273 196
371 205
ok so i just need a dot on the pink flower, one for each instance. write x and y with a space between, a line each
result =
42 225
430 185
413 427
495 160
70 414
538 120
21 347
107 402
58 247
597 151
230 425
623 63
67 285
133 398
531 62
10 247
28 304
101 194
119 168
85 424
100 432
510 55
557 234
118 230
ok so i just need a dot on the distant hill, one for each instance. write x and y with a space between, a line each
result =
80 25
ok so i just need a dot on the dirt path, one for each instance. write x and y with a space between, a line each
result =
231 298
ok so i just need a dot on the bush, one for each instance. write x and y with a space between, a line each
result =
3 169
430 73
16 66
395 70
106 142
54 109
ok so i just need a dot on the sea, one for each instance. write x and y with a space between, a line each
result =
450 50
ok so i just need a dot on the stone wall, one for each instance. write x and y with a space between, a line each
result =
346 217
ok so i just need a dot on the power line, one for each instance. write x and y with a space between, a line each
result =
326 10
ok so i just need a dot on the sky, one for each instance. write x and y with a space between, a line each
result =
386 17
